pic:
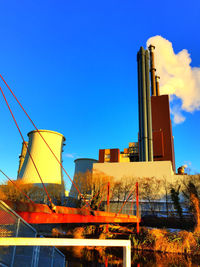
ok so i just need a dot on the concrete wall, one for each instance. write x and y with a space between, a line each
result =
158 169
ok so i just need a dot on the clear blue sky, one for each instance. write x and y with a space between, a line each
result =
73 66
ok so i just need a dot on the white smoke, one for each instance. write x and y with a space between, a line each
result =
177 77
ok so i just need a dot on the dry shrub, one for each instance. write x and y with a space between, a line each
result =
17 190
195 203
158 233
161 242
102 236
189 242
166 241
2 195
55 232
90 230
79 234
183 242
69 233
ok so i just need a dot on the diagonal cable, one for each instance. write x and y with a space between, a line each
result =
26 146
43 138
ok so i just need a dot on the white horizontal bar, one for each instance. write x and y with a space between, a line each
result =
38 241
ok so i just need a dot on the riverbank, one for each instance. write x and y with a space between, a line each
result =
165 241
158 240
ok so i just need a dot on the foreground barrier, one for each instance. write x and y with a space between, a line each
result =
29 241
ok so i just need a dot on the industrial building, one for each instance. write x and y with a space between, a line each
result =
155 142
152 155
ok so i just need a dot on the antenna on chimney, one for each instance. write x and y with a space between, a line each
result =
157 85
152 70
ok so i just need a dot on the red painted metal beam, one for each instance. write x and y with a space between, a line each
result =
41 214
42 218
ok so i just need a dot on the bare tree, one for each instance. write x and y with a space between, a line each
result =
117 191
9 191
93 186
123 188
191 191
150 189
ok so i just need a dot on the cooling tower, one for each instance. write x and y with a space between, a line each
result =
22 156
82 165
48 167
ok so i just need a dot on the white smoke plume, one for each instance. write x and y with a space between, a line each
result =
177 77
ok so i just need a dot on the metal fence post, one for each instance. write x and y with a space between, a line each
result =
35 258
52 256
137 207
14 248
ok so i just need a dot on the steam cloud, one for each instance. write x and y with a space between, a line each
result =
177 77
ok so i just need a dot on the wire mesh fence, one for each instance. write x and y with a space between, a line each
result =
11 225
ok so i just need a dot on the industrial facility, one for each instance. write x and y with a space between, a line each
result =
152 155
155 142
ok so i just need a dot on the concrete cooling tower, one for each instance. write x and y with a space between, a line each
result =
82 165
48 167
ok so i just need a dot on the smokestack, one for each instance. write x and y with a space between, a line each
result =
157 85
148 103
48 167
140 107
152 70
144 105
144 101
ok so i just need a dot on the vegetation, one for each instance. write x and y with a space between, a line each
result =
13 192
10 192
165 241
161 240
176 201
93 187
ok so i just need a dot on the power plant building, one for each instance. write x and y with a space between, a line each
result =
163 141
155 142
153 153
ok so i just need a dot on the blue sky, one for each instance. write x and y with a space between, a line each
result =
73 66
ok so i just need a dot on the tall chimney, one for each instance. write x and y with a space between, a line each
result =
144 101
144 105
157 85
152 70
140 107
148 103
